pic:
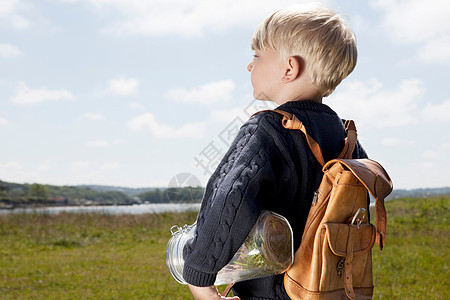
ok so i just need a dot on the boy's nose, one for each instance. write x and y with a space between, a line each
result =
250 66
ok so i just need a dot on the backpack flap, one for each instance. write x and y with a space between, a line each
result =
337 235
373 176
370 173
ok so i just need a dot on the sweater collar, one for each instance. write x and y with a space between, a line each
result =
306 104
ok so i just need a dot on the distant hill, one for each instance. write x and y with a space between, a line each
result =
13 194
396 193
419 193
17 194
130 192
153 194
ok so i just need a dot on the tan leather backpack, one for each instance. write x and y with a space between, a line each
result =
334 259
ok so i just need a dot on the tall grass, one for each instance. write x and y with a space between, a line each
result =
89 256
415 261
82 256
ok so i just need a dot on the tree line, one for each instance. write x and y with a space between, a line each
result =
173 195
13 195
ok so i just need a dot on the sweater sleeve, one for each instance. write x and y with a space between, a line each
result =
232 202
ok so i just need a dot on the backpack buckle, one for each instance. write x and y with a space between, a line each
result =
358 217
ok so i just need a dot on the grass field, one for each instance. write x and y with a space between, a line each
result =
415 261
78 256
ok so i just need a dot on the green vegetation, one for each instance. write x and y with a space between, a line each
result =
415 261
16 195
185 194
87 256
39 190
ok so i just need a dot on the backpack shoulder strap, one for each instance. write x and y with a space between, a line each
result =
290 121
350 140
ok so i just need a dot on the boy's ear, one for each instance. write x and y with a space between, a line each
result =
293 69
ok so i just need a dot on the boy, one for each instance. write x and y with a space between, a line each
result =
300 57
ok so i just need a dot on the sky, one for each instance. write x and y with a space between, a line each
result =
151 93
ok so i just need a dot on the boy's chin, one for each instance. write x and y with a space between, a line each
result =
261 96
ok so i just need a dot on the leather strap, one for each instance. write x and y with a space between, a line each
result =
227 289
348 268
290 121
381 222
350 140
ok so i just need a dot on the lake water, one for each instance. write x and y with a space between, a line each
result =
112 210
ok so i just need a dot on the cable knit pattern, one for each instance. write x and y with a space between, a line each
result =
266 167
239 179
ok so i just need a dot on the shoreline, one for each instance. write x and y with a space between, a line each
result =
132 209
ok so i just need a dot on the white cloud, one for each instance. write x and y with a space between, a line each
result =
26 96
370 104
136 105
393 142
423 22
11 11
109 166
4 122
69 1
146 122
123 86
180 17
438 154
19 22
11 167
227 115
8 50
117 142
241 113
97 144
415 20
206 94
92 116
45 167
7 6
79 165
436 50
437 112
14 171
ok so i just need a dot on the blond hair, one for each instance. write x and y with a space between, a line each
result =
318 36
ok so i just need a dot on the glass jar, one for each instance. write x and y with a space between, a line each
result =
267 250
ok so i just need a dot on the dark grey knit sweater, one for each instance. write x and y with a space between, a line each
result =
266 168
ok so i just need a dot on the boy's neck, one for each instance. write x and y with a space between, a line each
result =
305 95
